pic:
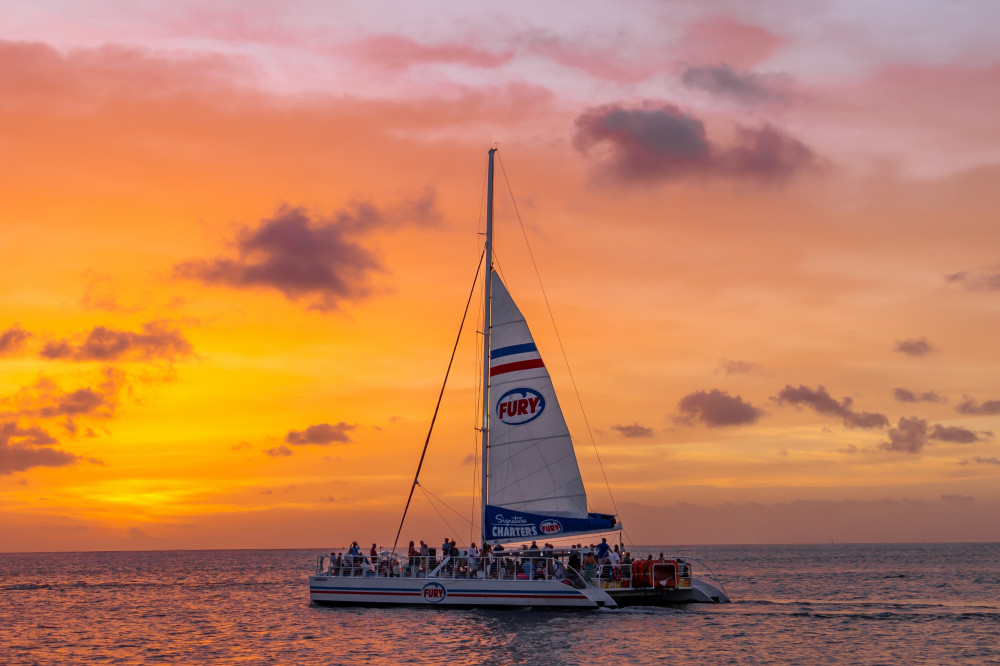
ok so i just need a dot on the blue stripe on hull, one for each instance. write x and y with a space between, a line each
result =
461 596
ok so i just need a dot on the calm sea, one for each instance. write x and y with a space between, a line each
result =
890 604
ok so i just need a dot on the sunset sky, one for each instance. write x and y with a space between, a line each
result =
236 240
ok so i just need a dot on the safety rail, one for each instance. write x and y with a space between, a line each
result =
509 565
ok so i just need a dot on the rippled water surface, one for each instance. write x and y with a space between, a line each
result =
900 603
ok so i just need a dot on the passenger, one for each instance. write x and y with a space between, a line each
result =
602 550
473 560
355 556
413 553
488 561
445 547
574 560
374 552
589 566
558 570
452 551
425 556
616 564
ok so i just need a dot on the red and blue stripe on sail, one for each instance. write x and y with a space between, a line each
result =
515 357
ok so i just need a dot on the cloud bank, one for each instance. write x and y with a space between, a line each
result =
660 142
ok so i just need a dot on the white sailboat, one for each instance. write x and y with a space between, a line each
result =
531 490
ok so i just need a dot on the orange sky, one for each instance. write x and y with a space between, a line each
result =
236 245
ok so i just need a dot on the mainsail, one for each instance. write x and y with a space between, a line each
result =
535 487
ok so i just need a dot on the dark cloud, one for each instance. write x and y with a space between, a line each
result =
661 142
958 435
972 406
633 430
47 400
903 395
278 451
157 340
12 340
914 347
319 260
743 87
982 461
729 367
977 279
24 448
35 436
957 498
823 403
909 436
717 408
323 434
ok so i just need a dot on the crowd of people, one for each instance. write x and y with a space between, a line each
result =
491 561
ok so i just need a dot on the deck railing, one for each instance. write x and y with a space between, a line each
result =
506 565
509 565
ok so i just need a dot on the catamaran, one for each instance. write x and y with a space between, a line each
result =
531 489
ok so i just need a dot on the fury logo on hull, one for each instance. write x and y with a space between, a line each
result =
434 593
519 406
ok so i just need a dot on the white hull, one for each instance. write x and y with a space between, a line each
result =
454 592
698 591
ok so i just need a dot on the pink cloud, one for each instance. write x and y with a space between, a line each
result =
726 40
34 73
398 52
607 64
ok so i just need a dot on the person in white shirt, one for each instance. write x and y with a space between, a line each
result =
616 563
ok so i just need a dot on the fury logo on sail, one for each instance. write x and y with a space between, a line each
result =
519 406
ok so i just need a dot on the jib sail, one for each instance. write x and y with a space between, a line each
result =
535 488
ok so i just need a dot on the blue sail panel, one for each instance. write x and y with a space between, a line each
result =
508 525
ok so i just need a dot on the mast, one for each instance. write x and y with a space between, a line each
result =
488 297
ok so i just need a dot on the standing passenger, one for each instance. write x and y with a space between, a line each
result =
473 560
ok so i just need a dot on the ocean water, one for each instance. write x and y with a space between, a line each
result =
870 604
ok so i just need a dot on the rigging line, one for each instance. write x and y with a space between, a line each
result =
562 348
423 453
444 504
440 515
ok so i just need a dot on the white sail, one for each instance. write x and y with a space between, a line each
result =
532 465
